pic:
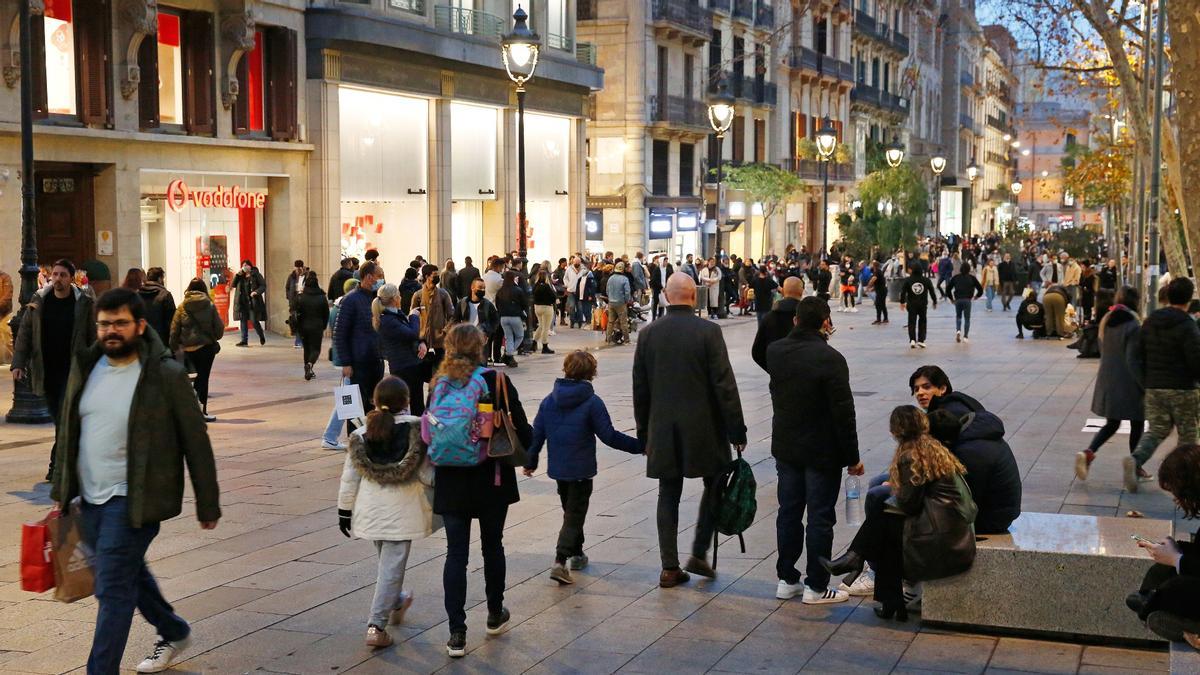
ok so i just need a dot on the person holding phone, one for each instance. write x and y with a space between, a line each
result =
1169 598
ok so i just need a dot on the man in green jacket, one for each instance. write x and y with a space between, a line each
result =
130 422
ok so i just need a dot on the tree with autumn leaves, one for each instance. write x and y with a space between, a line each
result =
1102 178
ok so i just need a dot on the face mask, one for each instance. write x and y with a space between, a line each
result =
479 294
378 284
436 280
246 269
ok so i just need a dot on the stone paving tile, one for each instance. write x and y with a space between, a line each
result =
625 636
1037 656
949 653
245 652
756 655
672 654
214 601
41 634
1125 658
856 656
582 661
332 654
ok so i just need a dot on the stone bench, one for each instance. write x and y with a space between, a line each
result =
1053 574
1184 659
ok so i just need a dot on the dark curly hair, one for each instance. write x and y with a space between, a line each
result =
1180 475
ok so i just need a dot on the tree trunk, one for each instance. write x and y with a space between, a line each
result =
1182 145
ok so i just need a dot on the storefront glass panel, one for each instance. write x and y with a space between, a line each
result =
60 57
547 140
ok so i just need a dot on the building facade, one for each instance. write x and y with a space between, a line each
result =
414 128
1047 132
167 134
961 114
990 192
879 111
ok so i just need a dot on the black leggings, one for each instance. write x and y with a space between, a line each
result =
311 339
880 541
1136 427
916 323
202 361
847 298
881 307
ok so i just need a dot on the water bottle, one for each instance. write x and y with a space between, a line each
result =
855 513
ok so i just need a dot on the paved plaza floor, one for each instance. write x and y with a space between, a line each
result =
276 588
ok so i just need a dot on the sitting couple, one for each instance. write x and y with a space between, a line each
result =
975 438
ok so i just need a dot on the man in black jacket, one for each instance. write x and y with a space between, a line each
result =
337 282
1008 280
1165 359
915 292
977 439
660 271
779 322
688 412
813 436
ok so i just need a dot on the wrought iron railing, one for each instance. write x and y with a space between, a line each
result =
468 22
680 110
684 14
564 42
812 169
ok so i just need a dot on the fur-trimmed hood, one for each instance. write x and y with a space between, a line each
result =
392 473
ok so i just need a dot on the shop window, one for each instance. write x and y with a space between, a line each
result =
177 68
73 56
266 102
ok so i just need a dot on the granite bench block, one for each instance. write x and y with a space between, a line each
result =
1053 574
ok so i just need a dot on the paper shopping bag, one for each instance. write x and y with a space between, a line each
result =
72 559
37 567
347 400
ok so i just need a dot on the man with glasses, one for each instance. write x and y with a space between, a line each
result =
56 323
130 423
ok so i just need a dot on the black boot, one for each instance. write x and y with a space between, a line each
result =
546 349
510 362
308 372
897 612
849 562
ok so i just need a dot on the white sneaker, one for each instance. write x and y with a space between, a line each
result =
862 586
210 418
786 591
854 310
912 596
966 339
828 596
912 344
921 345
165 654
326 445
958 336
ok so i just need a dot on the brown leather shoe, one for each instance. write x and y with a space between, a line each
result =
672 578
701 567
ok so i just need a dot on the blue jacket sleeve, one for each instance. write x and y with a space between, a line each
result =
341 333
603 427
539 437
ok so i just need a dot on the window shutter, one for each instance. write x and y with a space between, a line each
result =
803 125
794 135
91 45
198 73
281 56
37 30
148 86
241 105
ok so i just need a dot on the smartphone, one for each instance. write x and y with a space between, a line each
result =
1136 537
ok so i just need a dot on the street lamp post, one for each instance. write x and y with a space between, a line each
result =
1016 190
826 144
972 174
937 164
720 117
894 154
28 408
519 51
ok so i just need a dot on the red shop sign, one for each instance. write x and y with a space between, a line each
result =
179 196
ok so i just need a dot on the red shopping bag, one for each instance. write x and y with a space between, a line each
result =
37 560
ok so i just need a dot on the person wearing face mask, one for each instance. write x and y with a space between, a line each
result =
355 341
477 310
400 343
437 313
249 307
810 381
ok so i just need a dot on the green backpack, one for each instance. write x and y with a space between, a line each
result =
737 504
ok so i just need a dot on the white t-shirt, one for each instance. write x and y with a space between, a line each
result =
104 430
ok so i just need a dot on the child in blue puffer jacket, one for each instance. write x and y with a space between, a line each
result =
570 420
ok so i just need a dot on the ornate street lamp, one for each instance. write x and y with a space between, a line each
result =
1016 187
894 154
937 164
1016 190
519 51
826 144
720 117
972 172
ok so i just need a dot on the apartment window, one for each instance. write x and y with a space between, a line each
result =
661 166
266 102
714 150
760 65
1070 142
739 52
71 74
714 62
760 140
689 68
739 139
664 74
412 6
178 85
687 169
821 35
556 22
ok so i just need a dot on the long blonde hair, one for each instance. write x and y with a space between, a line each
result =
464 352
930 460
383 298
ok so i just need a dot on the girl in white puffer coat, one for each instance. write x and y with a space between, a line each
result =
386 496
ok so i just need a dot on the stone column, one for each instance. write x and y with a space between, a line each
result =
324 167
440 176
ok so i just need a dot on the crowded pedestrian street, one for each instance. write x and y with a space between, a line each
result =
276 588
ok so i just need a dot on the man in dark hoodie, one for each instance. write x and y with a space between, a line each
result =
779 321
977 440
160 304
915 292
1165 359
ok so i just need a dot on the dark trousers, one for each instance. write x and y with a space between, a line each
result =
257 329
1136 427
414 377
881 307
1171 592
202 362
123 582
495 345
655 309
962 314
575 496
1007 291
55 391
916 323
670 490
880 541
311 340
454 572
817 491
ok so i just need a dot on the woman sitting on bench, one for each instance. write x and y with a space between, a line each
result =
1169 599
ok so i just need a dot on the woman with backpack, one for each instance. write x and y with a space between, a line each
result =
478 488
196 329
385 498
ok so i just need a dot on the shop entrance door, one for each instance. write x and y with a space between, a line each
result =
65 213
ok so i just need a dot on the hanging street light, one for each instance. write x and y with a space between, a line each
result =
894 154
720 117
937 164
826 144
972 172
1016 187
519 51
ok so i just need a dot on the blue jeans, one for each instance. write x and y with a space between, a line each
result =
333 430
877 495
514 333
454 570
123 582
990 294
962 314
817 490
583 313
257 329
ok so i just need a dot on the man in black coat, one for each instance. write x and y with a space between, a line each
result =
685 400
813 436
779 322
660 271
337 282
467 275
915 292
977 439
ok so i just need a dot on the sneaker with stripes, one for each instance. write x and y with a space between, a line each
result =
829 596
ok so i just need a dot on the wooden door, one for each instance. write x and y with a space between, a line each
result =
65 215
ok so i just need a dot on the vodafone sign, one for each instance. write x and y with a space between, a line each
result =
180 196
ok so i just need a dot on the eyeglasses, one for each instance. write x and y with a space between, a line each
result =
120 324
